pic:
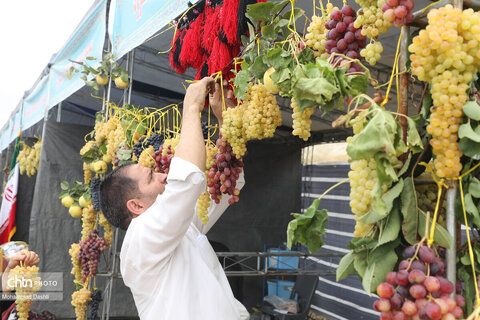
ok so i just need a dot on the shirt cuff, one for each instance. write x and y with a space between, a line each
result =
180 169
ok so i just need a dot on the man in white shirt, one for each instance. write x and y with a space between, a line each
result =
166 259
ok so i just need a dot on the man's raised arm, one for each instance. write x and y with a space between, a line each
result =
191 146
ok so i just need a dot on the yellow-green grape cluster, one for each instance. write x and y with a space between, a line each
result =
76 265
107 229
446 54
370 18
87 173
372 52
233 130
172 142
87 147
262 115
29 284
363 177
89 218
29 158
100 132
22 158
427 194
80 301
146 158
317 33
301 121
33 158
114 139
203 202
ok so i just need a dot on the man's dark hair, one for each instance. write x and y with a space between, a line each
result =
115 190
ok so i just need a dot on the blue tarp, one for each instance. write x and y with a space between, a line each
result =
87 41
135 21
35 103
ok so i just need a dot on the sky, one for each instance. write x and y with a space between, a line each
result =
31 31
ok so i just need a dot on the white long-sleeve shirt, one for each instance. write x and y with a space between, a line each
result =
167 261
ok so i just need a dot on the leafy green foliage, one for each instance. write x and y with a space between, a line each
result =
308 228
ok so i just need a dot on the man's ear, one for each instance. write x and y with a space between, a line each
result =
135 206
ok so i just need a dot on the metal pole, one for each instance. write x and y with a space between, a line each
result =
59 112
451 220
452 230
130 75
114 260
125 91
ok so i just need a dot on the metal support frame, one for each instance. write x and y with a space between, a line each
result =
113 254
256 264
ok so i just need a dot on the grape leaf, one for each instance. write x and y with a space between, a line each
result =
358 84
409 212
258 67
268 32
360 264
240 83
472 209
468 147
383 205
346 266
297 13
278 58
283 79
378 266
391 227
466 131
469 291
377 136
359 244
472 110
474 187
306 56
413 138
260 11
307 228
64 185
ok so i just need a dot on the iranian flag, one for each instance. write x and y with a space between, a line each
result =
9 201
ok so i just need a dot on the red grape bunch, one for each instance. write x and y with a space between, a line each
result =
164 155
344 38
398 12
418 290
223 176
89 254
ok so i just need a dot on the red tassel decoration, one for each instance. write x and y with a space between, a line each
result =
210 28
192 53
220 57
176 50
229 20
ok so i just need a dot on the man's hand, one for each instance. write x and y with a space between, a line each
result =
215 99
196 93
30 258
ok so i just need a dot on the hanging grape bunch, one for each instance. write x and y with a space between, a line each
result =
224 173
344 37
398 12
418 290
89 254
94 303
317 33
446 55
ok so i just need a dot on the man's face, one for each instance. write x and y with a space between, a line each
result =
150 184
